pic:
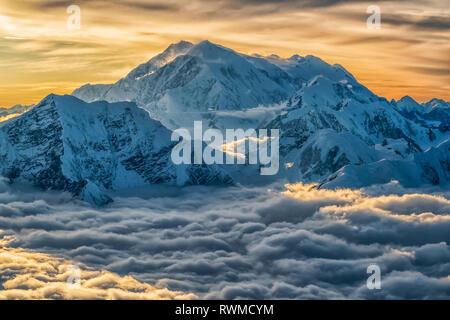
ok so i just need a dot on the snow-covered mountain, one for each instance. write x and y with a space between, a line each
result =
303 69
125 89
89 148
333 130
432 114
428 168
436 103
197 81
329 124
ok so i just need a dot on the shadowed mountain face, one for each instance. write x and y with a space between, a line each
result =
186 82
331 127
67 144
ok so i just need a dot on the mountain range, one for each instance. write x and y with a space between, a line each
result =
333 130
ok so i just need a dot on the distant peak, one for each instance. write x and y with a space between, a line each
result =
313 58
295 57
435 102
407 99
160 60
175 49
208 44
182 43
319 80
179 46
407 103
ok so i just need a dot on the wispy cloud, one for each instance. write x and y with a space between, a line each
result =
117 35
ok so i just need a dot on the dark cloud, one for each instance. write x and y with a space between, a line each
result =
165 5
438 71
431 23
302 3
141 5
378 39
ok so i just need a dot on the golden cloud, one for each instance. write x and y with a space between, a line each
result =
26 274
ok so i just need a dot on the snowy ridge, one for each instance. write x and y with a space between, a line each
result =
330 124
429 168
67 144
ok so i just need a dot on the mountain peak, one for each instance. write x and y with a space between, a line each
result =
409 105
178 47
60 99
48 99
168 55
208 50
181 43
407 99
436 103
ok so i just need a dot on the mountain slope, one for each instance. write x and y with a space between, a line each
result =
328 124
434 114
331 126
200 80
17 110
429 168
67 144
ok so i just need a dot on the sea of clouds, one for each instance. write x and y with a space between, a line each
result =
281 242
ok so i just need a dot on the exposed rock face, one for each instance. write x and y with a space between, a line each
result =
327 125
428 168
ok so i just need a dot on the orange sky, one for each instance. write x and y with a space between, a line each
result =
409 55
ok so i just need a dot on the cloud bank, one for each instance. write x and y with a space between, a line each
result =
286 242
30 275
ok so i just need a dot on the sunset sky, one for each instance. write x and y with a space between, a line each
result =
409 55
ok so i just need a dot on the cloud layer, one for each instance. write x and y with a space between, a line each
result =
25 274
228 243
